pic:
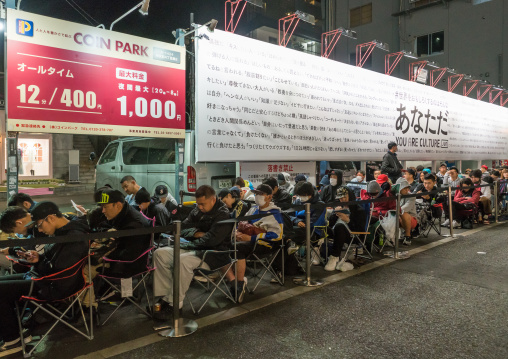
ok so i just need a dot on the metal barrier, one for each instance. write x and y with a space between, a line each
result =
181 326
307 281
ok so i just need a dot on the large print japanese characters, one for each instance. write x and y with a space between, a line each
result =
64 77
257 101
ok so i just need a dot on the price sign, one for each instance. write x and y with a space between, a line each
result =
71 78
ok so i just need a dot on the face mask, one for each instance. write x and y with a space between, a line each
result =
333 181
359 178
304 198
260 200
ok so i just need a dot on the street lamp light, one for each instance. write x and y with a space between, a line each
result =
211 25
144 10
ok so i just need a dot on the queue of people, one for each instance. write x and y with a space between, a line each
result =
333 212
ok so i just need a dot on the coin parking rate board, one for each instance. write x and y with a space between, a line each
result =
64 77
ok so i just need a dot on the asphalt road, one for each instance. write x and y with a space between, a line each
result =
448 302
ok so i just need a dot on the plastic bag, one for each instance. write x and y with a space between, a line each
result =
388 223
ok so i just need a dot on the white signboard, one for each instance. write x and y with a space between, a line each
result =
256 172
256 101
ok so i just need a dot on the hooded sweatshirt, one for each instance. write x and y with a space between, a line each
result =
273 225
287 185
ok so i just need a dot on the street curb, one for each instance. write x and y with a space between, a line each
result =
271 299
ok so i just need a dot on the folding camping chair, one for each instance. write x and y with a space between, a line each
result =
318 236
380 238
211 285
50 309
357 241
429 217
266 261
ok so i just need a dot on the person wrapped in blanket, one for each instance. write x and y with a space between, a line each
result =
379 188
463 201
350 217
258 236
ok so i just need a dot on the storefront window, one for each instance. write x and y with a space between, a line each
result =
38 151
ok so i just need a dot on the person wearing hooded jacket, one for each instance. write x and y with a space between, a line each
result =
284 182
328 192
56 258
378 189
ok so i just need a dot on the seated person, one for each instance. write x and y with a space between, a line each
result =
22 200
328 192
306 194
57 257
121 216
284 182
207 235
246 193
152 208
408 211
410 176
281 198
377 173
451 178
485 205
263 234
358 183
231 198
378 189
131 187
428 185
14 220
462 201
354 221
162 192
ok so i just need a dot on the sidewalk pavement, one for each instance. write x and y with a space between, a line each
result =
448 302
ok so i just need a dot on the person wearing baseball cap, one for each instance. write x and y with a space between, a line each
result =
391 165
152 208
162 192
231 198
350 217
56 258
281 197
374 190
269 235
484 168
122 216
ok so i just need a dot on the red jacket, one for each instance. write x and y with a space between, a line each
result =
475 197
380 208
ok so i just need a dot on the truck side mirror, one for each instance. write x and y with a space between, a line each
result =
92 156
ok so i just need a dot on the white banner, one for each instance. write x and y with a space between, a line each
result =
256 172
258 102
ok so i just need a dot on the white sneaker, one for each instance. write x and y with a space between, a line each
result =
445 223
332 263
314 257
345 266
456 224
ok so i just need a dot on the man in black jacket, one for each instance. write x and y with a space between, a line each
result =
56 258
207 234
152 208
231 198
328 192
122 216
281 198
391 165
